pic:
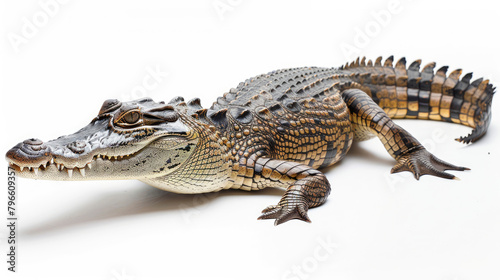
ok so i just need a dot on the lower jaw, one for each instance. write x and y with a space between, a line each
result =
60 173
51 172
98 170
130 168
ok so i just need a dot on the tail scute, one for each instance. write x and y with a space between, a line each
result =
401 64
388 61
408 92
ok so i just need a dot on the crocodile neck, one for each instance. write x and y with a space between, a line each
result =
208 167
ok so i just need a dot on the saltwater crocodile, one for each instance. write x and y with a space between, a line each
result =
273 130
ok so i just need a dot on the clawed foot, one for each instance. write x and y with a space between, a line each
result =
286 212
421 162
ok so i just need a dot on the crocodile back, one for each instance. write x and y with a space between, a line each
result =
295 114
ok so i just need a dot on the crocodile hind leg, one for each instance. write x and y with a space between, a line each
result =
305 186
368 119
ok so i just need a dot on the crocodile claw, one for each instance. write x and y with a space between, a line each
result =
285 213
421 162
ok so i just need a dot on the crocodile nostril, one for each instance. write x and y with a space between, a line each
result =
33 141
33 144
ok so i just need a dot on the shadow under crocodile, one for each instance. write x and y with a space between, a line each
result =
146 199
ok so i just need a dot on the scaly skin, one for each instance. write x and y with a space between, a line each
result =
273 130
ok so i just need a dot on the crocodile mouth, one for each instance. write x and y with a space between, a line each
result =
56 167
158 157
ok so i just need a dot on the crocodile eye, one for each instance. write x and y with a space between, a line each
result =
130 118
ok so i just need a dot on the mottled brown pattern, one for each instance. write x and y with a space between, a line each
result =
425 94
280 127
277 129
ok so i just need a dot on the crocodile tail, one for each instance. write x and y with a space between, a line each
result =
408 92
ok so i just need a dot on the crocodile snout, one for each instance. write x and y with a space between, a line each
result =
30 152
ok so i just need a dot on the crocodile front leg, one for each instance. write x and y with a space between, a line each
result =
306 188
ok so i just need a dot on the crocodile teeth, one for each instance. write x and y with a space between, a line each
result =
61 167
70 172
36 170
82 171
21 167
51 160
89 165
44 165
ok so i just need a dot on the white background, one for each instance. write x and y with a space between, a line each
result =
378 226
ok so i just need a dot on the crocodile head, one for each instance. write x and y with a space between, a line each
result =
127 140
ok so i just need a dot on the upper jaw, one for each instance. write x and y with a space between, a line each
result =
33 161
66 154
